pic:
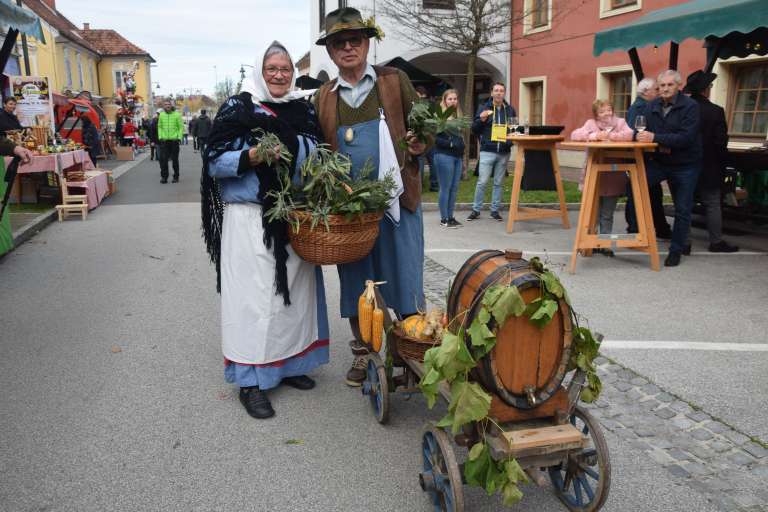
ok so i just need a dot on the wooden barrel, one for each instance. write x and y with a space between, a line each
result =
527 365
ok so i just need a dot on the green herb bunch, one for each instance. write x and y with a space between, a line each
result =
427 119
325 187
454 358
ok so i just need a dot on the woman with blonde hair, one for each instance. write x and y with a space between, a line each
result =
448 159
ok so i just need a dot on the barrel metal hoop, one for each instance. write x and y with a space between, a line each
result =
453 299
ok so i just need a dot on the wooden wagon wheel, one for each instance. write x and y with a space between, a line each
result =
376 387
583 480
441 477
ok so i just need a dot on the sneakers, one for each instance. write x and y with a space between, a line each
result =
256 403
453 223
356 374
673 259
495 216
723 246
473 216
301 382
444 223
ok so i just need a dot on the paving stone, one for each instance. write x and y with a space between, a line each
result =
720 446
697 469
748 499
755 450
627 421
665 397
663 443
701 434
726 503
665 413
678 454
600 360
638 381
680 406
622 386
645 432
625 433
612 412
698 416
613 367
678 471
760 471
717 484
610 424
717 427
608 378
702 452
682 423
736 437
625 374
635 395
601 403
740 458
650 389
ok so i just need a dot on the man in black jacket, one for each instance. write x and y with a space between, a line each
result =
714 140
8 119
673 122
202 129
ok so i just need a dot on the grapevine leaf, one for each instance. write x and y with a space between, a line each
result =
484 316
476 468
491 295
514 472
544 313
468 403
510 494
481 335
429 386
510 302
446 421
552 284
476 451
587 396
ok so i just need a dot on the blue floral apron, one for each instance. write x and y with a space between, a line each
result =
398 255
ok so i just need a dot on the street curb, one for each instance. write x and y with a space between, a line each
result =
433 207
37 224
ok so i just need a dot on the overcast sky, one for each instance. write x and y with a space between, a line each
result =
188 38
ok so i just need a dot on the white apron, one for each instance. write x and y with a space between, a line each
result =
257 327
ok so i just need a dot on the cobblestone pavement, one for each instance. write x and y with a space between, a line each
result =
728 467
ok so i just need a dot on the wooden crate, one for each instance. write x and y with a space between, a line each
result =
543 440
124 153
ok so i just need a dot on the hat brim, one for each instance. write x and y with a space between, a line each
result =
369 33
700 84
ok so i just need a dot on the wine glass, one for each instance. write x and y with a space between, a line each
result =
526 129
513 124
640 124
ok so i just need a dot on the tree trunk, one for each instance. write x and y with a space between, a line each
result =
469 110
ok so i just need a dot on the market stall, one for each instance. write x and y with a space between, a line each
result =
56 163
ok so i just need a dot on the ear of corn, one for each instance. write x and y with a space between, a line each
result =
366 322
377 329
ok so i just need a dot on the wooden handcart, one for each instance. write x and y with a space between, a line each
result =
535 411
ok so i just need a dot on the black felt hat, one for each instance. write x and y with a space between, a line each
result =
698 81
344 19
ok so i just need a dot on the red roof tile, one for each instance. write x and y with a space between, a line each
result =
109 42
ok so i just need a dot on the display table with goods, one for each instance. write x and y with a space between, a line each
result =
56 161
512 361
95 183
548 144
607 157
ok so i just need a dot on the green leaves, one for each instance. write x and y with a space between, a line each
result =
584 349
481 470
469 402
427 119
541 311
509 302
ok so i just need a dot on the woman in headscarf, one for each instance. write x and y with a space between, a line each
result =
273 311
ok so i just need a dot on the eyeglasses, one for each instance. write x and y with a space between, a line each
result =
340 43
273 71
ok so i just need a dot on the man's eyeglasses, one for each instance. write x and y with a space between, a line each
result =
273 71
340 43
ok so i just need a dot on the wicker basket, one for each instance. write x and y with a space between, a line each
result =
412 348
346 241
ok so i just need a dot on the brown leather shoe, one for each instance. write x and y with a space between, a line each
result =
356 374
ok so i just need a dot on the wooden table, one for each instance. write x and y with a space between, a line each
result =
629 159
537 143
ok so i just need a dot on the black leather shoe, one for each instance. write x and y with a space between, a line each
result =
301 382
723 246
164 180
175 179
687 250
673 259
256 403
664 234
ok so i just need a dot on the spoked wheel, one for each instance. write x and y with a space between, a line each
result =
441 477
376 387
583 480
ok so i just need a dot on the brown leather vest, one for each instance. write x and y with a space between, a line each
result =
388 86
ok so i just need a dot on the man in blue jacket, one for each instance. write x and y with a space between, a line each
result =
494 154
673 122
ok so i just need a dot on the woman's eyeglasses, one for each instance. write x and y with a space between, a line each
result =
341 42
273 71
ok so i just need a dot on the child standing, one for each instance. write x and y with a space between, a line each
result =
604 126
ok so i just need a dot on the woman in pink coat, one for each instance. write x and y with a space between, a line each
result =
604 126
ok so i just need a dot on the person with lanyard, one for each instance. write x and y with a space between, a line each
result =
273 312
8 119
490 126
354 109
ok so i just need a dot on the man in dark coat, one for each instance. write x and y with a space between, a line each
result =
153 140
647 91
8 119
714 140
673 123
202 129
193 132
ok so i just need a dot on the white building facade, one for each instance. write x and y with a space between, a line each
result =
449 67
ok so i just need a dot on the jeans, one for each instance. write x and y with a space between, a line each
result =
447 169
607 209
490 163
168 149
682 182
433 179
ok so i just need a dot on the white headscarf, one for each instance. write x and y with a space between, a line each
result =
257 86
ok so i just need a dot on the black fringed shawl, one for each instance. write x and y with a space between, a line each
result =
231 131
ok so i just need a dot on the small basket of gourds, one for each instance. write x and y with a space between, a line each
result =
419 333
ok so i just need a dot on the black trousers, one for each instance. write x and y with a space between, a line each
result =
168 149
201 143
195 144
656 194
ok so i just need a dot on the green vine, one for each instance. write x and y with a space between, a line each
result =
452 360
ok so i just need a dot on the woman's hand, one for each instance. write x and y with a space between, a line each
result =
254 159
603 135
415 146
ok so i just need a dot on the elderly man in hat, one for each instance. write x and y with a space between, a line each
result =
673 123
352 109
714 140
